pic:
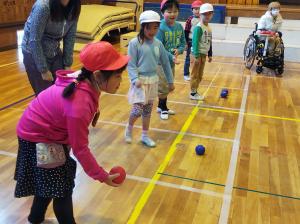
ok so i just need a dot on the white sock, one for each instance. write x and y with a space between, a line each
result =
129 127
144 133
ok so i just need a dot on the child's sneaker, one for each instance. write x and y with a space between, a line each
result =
128 135
186 78
164 115
170 112
196 96
148 141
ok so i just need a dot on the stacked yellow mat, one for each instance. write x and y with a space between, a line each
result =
97 20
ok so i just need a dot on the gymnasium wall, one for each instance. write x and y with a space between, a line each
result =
240 2
13 14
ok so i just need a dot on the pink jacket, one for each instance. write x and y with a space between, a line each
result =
52 118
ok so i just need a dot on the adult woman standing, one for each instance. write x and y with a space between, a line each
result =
49 23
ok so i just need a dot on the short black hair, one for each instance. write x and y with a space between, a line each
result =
169 4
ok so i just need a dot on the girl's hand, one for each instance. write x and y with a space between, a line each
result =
192 60
171 87
138 84
47 76
209 59
175 60
175 52
199 60
111 177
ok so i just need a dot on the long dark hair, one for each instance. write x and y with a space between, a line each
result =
141 35
58 12
86 74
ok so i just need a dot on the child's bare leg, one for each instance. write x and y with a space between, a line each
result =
136 112
146 115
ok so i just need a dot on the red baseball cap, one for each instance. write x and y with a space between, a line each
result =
102 56
196 4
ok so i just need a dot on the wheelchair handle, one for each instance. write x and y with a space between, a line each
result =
256 26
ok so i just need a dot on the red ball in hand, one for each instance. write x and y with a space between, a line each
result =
118 169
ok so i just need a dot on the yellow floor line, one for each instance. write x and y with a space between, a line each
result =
250 114
150 187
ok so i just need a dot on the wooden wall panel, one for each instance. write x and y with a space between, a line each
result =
14 11
17 11
8 38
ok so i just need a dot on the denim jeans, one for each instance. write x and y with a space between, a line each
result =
187 62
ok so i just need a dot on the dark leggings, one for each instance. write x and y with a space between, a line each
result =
63 209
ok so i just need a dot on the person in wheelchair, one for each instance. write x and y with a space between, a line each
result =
265 43
269 28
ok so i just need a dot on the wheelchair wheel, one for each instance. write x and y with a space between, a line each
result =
279 72
249 51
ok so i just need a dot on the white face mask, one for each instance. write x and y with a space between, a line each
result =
275 12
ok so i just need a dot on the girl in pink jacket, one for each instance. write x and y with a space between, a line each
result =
62 114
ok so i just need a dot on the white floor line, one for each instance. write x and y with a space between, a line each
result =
204 105
181 102
171 101
168 131
219 107
213 86
8 64
176 186
10 154
145 180
163 183
240 64
234 157
211 82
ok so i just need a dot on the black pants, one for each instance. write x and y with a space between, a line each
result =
63 209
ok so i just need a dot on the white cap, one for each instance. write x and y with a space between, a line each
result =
206 7
149 16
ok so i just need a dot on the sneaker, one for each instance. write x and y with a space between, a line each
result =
170 112
164 115
196 96
128 136
186 78
147 141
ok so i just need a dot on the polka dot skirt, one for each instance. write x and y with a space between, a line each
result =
32 180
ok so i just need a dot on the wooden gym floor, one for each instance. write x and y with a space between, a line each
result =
249 174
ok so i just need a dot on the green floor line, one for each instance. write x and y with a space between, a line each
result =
267 193
236 188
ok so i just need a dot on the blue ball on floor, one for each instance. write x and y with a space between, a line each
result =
200 150
224 93
225 90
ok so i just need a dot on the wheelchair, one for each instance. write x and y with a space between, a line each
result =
257 49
